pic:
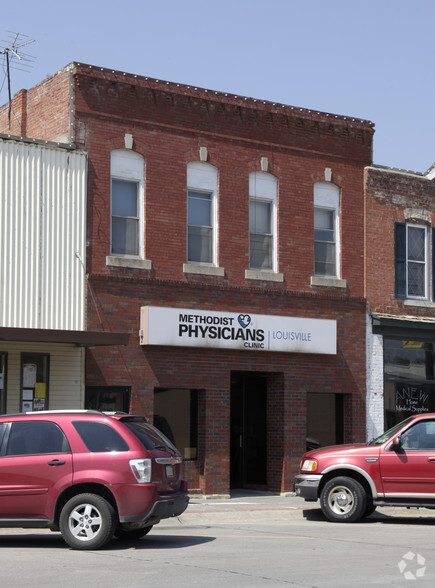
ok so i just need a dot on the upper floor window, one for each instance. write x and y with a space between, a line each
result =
127 181
326 233
411 249
262 221
202 183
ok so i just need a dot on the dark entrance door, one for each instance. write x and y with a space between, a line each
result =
248 430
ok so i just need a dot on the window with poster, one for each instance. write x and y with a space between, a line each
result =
3 381
34 381
409 380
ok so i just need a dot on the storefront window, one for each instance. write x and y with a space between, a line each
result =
34 381
176 416
3 381
409 379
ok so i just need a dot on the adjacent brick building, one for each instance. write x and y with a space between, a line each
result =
399 253
226 236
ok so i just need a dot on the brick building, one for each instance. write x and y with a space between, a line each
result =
400 215
226 236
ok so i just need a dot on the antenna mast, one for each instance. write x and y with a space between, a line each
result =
11 52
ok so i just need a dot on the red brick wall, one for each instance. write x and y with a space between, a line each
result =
43 112
292 374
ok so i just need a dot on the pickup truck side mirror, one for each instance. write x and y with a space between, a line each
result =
396 444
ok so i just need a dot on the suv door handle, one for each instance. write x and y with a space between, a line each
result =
56 462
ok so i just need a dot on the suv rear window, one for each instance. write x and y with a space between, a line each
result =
149 436
99 437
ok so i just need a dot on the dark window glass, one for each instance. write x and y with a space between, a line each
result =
125 217
324 242
260 234
409 381
149 436
199 227
99 437
36 438
176 415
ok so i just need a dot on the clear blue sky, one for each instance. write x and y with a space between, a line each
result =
370 59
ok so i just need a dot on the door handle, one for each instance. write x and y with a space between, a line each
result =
431 459
56 462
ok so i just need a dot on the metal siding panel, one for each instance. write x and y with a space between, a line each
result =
42 228
66 380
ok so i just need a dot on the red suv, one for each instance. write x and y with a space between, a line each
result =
88 474
396 469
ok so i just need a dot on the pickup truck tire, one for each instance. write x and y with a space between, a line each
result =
343 500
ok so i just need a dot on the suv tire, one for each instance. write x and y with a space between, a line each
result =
130 534
343 500
87 521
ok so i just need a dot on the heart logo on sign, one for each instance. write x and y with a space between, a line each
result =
244 320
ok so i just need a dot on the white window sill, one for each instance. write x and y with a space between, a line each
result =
420 303
328 282
114 261
266 276
204 270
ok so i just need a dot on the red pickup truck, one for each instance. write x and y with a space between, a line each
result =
395 469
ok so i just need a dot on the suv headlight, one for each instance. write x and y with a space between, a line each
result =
309 465
141 469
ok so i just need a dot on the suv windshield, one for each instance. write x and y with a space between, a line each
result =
385 436
148 435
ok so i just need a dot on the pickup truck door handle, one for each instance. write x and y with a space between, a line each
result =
431 459
56 462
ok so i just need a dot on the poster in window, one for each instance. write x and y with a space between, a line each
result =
29 375
27 394
27 406
39 404
40 390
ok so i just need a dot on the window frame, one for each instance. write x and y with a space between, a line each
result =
202 178
263 188
128 166
327 197
425 263
401 259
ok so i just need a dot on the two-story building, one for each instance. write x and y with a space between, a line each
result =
400 263
225 234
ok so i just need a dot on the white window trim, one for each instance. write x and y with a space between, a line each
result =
426 262
203 177
263 187
327 197
128 165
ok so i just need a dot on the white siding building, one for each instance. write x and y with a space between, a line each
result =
42 276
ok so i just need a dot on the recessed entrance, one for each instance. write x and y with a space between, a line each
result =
248 430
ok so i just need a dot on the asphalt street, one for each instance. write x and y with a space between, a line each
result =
252 540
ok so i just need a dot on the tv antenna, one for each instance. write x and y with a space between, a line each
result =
12 56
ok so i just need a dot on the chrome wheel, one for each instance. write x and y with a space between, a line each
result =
343 500
84 522
87 521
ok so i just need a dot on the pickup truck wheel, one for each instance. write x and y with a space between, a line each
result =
343 500
130 534
87 521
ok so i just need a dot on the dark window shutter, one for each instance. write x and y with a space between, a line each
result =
400 259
